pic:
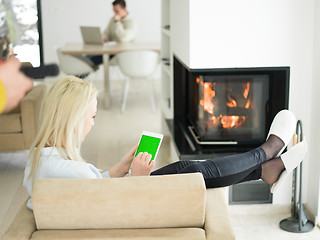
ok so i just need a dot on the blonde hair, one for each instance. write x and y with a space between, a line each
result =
62 117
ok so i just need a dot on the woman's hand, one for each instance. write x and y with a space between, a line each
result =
127 159
141 165
122 167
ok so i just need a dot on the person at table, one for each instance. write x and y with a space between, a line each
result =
121 27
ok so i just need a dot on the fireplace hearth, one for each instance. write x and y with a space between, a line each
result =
224 111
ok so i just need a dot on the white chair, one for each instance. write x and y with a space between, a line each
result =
138 64
75 65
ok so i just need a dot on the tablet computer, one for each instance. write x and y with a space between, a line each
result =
149 142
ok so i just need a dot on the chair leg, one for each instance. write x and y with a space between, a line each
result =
125 95
151 92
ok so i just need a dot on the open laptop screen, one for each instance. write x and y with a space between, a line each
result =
91 35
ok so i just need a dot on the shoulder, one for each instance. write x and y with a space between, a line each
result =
56 166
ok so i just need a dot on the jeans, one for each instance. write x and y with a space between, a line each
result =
97 59
223 171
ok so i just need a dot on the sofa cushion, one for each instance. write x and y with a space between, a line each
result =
122 234
11 141
131 202
23 225
10 123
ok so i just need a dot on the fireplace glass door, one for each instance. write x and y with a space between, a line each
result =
229 109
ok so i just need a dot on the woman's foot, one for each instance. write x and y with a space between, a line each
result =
271 170
281 131
276 170
272 146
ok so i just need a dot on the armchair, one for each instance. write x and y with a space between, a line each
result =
18 128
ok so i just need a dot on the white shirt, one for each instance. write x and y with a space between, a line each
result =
53 165
123 30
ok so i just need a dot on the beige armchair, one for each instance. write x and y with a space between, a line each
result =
157 207
18 128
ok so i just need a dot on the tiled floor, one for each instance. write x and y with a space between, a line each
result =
262 222
112 136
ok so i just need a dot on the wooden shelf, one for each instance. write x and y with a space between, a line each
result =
166 53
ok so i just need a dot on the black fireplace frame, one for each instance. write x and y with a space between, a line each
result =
278 98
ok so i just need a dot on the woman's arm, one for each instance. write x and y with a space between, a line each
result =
122 167
140 165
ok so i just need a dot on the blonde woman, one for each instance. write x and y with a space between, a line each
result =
67 116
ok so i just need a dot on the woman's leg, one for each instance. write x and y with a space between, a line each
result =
173 168
228 170
220 172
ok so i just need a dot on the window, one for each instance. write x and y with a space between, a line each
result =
23 20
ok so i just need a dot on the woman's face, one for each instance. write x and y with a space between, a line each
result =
89 121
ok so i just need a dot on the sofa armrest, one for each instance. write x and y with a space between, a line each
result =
23 225
217 221
30 108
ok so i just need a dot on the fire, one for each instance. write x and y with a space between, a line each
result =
246 91
208 94
232 102
232 121
215 120
248 104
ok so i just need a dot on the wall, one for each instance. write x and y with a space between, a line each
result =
314 166
250 33
62 19
180 32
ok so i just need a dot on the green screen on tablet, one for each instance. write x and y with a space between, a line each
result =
148 144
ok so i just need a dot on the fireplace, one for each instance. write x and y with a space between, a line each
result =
218 112
227 110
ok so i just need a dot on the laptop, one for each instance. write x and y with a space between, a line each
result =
91 35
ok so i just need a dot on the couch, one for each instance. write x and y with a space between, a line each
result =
18 128
157 207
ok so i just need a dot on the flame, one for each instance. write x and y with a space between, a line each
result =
208 94
227 122
248 104
215 120
232 102
232 121
246 91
